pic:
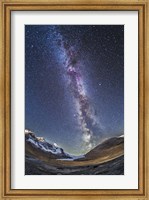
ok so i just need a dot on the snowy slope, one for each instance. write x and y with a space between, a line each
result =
41 144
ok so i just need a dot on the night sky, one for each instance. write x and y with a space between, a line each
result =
74 84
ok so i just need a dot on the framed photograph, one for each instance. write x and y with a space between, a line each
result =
74 79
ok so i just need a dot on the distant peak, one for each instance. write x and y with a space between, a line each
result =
121 136
41 139
27 131
55 145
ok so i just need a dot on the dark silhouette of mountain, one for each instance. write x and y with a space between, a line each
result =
110 148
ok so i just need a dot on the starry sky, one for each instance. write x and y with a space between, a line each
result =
74 84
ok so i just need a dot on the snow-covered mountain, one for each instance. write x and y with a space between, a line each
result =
38 145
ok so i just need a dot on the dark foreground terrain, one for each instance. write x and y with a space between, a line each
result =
37 167
43 158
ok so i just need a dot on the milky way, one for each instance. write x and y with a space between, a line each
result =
85 113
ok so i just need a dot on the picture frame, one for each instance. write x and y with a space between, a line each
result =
5 98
